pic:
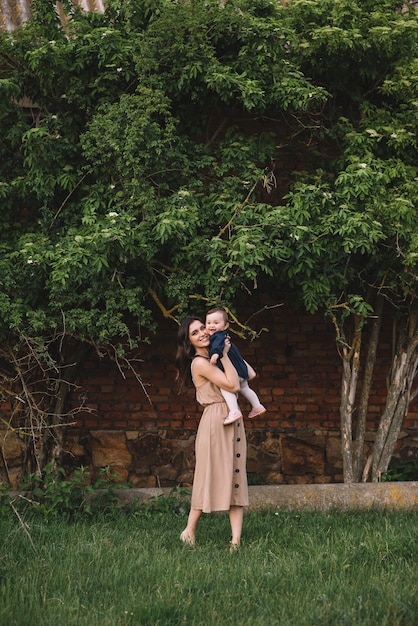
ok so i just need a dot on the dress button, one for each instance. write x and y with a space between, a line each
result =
238 455
236 486
238 438
237 471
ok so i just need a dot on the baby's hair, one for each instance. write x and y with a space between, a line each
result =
219 310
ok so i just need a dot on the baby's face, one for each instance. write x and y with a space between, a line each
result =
215 321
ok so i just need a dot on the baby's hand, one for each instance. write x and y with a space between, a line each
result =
227 345
214 359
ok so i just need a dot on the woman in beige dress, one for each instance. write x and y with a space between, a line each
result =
220 478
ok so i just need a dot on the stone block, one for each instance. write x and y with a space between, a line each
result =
145 481
166 472
301 457
109 448
11 447
271 444
333 452
119 474
146 449
274 478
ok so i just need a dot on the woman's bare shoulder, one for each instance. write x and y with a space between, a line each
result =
199 371
199 364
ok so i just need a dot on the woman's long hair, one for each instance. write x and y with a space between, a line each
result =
185 353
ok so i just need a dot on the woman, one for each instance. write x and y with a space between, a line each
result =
220 478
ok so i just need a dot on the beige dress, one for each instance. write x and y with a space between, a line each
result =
220 477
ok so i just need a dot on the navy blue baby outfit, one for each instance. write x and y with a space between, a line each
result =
217 343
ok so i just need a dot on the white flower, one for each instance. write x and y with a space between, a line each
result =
363 165
112 214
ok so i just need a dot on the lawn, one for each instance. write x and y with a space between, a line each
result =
292 569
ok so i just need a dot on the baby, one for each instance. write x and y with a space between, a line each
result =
217 327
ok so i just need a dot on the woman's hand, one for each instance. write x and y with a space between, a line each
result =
203 370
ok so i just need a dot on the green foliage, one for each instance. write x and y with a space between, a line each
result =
108 162
401 470
177 502
349 46
356 219
236 54
123 192
56 495
75 497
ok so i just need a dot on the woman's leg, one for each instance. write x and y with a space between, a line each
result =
236 515
189 533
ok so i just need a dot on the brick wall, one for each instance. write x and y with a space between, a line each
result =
147 434
299 380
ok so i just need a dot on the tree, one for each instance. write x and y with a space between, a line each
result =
363 227
114 197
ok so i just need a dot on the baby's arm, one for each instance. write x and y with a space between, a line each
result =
214 358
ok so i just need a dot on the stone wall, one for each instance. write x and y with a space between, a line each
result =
146 434
166 458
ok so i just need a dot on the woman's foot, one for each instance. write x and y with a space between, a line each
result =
187 537
257 410
232 417
233 547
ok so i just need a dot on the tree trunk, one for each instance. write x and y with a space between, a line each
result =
366 387
401 379
351 365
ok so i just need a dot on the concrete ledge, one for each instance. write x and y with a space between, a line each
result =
338 496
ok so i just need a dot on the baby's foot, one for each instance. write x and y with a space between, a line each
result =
257 410
232 417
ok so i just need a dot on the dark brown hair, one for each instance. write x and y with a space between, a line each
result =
185 352
219 310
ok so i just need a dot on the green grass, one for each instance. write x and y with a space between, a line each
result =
292 569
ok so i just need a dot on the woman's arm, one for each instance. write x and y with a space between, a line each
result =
203 370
